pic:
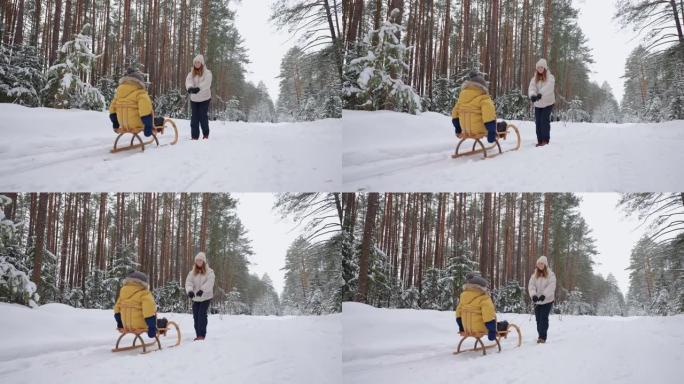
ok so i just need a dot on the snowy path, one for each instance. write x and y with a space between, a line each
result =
407 346
68 150
59 344
389 151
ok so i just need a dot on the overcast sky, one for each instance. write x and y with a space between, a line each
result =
615 234
265 45
270 235
610 45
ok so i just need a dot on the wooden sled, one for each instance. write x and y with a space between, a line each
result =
467 313
470 133
161 126
138 341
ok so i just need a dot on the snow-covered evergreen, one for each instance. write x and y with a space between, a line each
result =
21 75
376 77
15 283
312 283
68 81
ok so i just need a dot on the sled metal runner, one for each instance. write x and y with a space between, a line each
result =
469 132
161 126
138 341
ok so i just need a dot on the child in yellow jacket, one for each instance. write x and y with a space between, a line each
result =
132 90
135 293
474 94
475 294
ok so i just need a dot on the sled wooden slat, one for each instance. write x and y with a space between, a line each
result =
138 341
466 115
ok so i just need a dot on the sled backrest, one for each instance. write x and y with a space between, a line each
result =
470 314
128 311
470 118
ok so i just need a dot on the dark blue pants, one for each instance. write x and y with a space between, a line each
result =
542 118
541 314
199 314
200 116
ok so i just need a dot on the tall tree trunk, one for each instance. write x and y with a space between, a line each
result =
368 229
40 239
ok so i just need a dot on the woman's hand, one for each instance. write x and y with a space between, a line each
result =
535 298
199 293
542 297
191 294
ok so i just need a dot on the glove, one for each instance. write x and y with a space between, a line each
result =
199 293
460 325
535 298
542 297
491 131
539 96
115 121
457 126
119 324
151 326
191 294
533 98
491 327
148 123
193 90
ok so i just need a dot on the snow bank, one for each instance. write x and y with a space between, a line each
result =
408 346
59 344
46 149
396 152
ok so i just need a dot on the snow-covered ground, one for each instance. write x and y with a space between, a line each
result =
396 152
59 344
409 346
68 150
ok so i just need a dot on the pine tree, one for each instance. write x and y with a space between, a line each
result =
65 86
21 75
377 76
15 284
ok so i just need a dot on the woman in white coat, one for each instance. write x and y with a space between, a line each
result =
542 94
198 84
542 289
199 285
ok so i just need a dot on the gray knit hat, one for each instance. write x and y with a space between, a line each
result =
136 74
474 278
477 77
137 275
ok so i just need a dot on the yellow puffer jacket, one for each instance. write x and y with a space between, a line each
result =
135 303
475 308
130 103
474 97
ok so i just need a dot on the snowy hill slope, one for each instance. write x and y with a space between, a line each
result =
59 344
68 150
408 346
396 152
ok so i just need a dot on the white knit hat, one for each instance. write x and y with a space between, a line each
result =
201 256
199 58
542 63
544 260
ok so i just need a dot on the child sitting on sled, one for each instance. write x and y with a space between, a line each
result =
132 90
135 293
475 95
475 294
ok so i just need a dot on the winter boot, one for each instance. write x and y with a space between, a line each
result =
205 137
199 338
